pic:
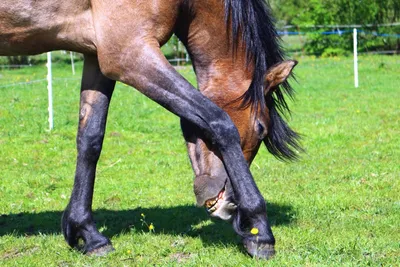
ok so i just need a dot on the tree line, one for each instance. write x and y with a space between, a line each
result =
370 14
336 12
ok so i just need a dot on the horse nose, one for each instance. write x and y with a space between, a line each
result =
207 187
215 193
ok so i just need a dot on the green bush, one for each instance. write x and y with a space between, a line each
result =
319 44
369 39
334 52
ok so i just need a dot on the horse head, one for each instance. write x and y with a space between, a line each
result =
212 186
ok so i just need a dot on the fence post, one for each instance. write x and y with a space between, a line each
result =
50 90
355 57
187 56
179 53
72 62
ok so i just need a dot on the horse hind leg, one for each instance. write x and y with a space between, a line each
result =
77 220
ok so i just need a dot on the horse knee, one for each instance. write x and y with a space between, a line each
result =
85 112
224 132
90 136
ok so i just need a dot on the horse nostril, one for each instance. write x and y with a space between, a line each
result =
208 187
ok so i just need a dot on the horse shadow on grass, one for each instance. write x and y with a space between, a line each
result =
183 220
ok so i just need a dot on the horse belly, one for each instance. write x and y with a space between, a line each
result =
33 27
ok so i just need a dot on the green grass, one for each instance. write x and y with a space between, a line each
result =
339 204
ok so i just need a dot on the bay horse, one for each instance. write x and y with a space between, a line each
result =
238 63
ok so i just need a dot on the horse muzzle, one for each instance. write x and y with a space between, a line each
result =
216 195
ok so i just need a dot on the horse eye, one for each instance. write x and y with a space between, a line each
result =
261 130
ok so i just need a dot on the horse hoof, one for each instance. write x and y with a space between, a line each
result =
101 251
259 250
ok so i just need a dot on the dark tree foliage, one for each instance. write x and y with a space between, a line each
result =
18 60
331 12
306 13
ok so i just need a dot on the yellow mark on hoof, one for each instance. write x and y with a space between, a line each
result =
254 231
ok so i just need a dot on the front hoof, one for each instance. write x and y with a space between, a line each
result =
259 250
102 251
94 243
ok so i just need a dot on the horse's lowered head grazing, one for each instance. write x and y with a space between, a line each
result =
212 186
239 66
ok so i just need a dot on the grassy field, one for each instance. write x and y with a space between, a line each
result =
340 204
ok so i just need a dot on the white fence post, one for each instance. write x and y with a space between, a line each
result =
72 62
355 57
50 90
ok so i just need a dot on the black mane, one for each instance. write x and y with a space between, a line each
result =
251 20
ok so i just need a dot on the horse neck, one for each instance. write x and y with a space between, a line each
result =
223 79
222 72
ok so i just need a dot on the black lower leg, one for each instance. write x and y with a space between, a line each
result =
77 221
250 220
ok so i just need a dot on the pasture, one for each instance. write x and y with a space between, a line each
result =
339 204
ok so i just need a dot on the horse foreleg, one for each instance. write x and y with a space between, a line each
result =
145 68
77 220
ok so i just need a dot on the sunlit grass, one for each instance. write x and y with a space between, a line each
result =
339 204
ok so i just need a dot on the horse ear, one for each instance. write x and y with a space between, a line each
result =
278 73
